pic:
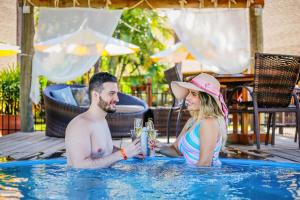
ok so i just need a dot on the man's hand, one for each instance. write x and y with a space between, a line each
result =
133 149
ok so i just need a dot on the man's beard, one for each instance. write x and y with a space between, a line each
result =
105 106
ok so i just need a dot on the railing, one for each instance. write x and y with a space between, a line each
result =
10 116
9 112
39 117
152 97
158 98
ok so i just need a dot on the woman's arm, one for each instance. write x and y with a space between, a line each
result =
172 150
208 133
169 150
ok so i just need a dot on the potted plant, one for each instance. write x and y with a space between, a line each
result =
9 99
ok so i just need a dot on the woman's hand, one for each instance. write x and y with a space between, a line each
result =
155 144
164 149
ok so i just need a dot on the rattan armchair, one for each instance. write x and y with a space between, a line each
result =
59 114
275 77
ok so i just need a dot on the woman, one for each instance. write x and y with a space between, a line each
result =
205 133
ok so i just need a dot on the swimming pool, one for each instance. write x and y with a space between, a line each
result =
153 178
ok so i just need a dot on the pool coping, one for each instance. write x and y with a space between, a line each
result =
223 160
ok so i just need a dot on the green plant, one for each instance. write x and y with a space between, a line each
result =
10 89
151 32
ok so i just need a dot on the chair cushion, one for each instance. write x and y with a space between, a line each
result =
129 108
64 95
81 96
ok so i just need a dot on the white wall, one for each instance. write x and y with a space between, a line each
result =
281 26
8 28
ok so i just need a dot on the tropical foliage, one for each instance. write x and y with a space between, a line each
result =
10 89
148 30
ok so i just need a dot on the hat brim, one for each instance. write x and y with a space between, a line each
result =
181 90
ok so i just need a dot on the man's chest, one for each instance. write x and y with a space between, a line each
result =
101 140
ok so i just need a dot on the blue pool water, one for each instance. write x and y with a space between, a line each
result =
157 178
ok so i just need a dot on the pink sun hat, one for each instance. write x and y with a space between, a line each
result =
203 83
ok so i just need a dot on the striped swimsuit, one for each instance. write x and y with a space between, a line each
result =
189 146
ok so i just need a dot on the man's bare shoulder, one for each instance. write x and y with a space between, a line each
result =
78 125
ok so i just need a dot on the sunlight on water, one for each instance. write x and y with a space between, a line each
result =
12 190
4 159
150 179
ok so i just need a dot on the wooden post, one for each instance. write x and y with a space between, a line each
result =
97 66
235 118
149 91
245 116
256 32
26 70
256 38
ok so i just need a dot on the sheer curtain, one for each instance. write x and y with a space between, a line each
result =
216 37
59 34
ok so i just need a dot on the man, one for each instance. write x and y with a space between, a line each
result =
88 139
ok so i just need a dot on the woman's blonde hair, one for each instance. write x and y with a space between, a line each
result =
210 109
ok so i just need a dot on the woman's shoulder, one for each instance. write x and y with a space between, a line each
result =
209 123
189 122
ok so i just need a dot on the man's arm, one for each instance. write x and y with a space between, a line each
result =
115 148
78 146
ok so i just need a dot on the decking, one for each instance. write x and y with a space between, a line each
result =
284 150
26 146
35 145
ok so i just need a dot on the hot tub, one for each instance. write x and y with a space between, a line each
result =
152 178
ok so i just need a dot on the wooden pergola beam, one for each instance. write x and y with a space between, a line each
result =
147 3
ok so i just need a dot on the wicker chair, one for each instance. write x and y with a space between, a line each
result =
59 114
274 81
174 74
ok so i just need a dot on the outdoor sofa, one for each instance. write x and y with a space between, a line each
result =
61 110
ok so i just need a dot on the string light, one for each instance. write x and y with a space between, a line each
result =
249 2
201 4
215 3
107 3
231 1
140 2
182 3
56 3
75 3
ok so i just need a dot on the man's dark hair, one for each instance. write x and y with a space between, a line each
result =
97 80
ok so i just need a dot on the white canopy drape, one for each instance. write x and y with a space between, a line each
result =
65 29
216 37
